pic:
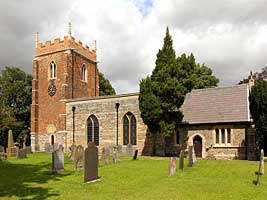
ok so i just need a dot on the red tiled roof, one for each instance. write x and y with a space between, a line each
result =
216 105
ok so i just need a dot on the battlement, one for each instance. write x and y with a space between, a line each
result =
66 44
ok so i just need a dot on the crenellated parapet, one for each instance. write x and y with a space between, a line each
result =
67 43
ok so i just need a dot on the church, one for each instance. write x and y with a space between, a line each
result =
67 109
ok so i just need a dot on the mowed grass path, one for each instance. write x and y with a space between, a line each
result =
145 178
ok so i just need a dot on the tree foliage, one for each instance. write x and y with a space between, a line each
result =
162 93
258 109
105 88
15 101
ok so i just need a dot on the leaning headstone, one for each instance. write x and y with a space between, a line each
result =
78 158
47 147
172 166
105 155
181 160
57 161
90 163
135 154
261 171
129 149
22 153
190 156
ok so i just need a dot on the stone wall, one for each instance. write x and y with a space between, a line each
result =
104 110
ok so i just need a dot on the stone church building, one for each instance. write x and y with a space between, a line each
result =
66 109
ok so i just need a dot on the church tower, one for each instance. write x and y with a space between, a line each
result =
62 69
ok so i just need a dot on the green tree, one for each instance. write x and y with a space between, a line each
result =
15 101
105 88
162 93
258 109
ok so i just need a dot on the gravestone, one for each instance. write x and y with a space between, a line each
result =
129 149
22 153
90 163
78 158
190 156
119 149
11 149
135 154
261 171
47 147
57 161
2 153
28 150
172 166
24 141
71 151
61 148
105 155
181 160
115 155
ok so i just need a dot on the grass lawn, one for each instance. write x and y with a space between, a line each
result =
145 178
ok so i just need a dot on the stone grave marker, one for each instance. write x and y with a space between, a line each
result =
262 162
71 151
61 148
28 150
90 163
11 149
57 161
194 156
172 166
119 149
2 153
47 147
78 158
190 156
24 141
105 155
129 149
135 154
22 153
181 160
115 155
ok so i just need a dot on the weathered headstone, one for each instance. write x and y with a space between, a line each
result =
119 149
105 155
129 149
115 155
172 166
2 153
181 160
47 147
61 148
135 154
90 163
71 151
194 156
22 153
78 158
24 141
261 171
57 161
190 156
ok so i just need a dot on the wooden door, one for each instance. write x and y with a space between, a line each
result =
198 146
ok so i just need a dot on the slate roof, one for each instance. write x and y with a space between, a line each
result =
217 105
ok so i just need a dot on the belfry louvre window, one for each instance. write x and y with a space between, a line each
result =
129 129
93 130
83 73
53 70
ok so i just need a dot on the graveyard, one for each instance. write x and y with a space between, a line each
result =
32 178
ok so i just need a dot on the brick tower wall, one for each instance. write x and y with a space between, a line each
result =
48 113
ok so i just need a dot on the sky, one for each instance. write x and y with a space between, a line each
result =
228 36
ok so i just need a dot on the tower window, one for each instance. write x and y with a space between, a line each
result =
53 70
83 73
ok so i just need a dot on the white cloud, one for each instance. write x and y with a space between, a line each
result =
229 36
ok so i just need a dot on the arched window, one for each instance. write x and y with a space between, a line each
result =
93 130
53 70
83 73
52 139
129 129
